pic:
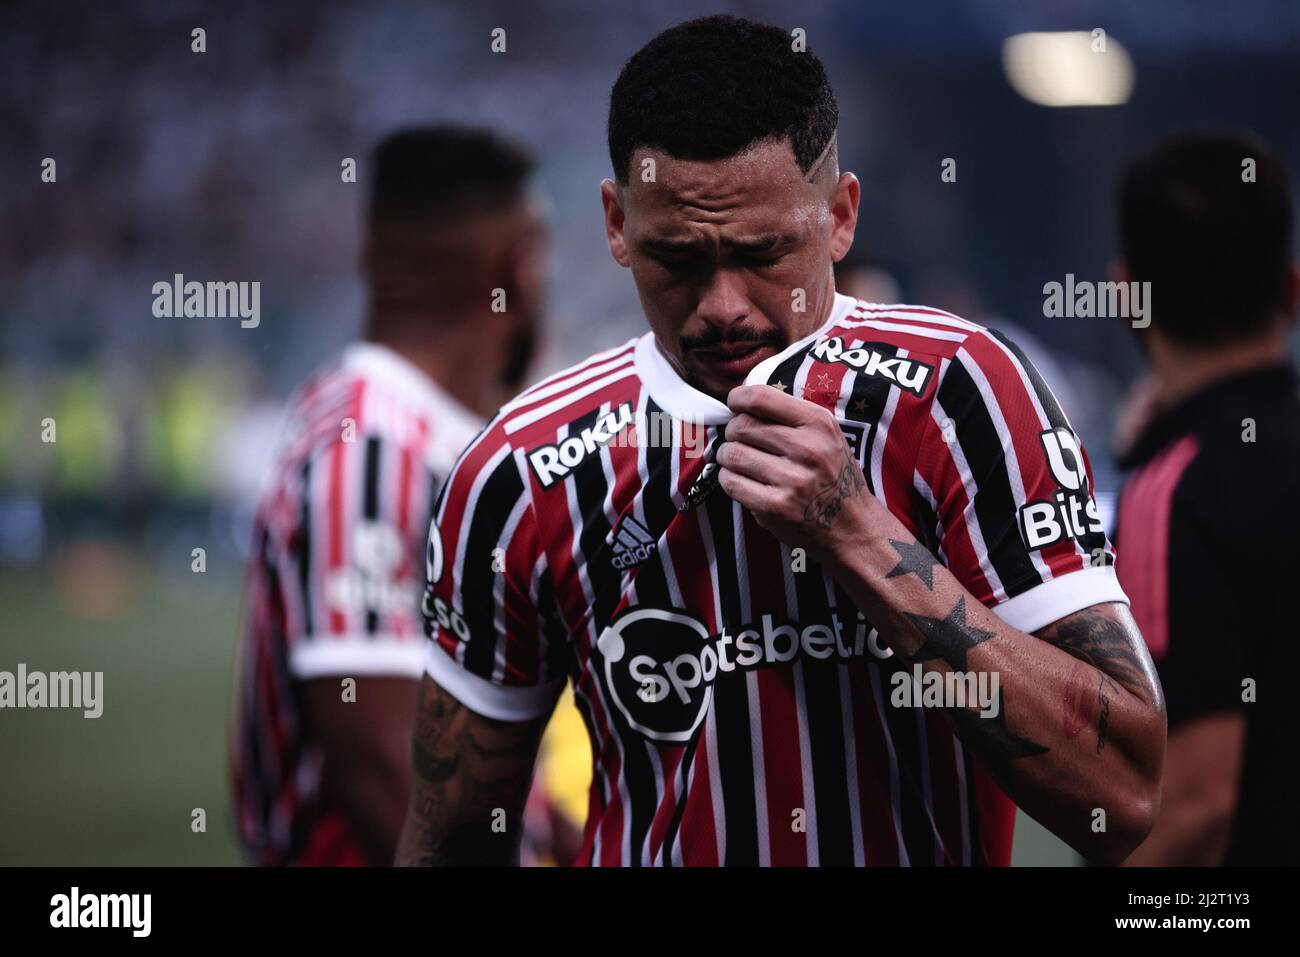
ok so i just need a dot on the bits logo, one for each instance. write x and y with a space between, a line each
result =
1069 514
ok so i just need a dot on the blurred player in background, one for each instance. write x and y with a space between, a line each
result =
1209 519
321 764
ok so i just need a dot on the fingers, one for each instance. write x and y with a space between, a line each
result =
765 402
769 436
751 494
756 464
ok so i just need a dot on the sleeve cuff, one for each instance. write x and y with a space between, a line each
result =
1053 600
504 703
325 656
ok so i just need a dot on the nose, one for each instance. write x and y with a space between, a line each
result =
724 302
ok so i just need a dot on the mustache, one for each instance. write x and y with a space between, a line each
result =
713 337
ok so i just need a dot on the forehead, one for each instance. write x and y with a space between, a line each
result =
761 186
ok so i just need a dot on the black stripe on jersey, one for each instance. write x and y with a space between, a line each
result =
867 397
788 370
731 701
370 507
995 506
589 490
1090 541
825 716
652 585
918 835
497 499
302 542
977 855
651 575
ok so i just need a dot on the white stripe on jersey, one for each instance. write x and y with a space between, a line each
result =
939 415
1008 446
922 331
466 523
719 812
878 696
499 594
526 419
919 314
572 376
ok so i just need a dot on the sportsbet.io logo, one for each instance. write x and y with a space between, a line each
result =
659 664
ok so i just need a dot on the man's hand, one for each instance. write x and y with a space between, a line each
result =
1077 738
785 459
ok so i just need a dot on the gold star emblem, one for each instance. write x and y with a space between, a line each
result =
779 386
859 407
824 382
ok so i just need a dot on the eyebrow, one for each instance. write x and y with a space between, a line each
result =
765 242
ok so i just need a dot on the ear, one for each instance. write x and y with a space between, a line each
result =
614 220
844 215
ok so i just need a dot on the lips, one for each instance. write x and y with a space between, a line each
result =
733 360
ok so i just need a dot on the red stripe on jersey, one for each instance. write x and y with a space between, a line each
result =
875 801
1020 410
997 819
1144 513
338 621
945 791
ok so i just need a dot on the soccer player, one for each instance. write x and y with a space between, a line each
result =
1208 520
322 764
886 492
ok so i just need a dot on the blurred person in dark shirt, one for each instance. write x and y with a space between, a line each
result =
1209 520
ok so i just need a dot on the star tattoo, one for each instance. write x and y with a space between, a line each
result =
914 559
950 638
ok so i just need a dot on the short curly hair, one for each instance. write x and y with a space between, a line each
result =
709 88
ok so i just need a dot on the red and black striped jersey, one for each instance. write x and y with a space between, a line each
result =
333 584
737 702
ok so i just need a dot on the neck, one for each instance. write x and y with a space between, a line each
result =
452 355
1182 371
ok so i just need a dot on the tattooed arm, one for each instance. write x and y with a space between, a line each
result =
1077 724
470 779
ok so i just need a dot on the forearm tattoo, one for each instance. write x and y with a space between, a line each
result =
469 783
950 638
826 504
1110 644
914 559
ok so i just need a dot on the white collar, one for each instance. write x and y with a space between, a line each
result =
394 370
683 401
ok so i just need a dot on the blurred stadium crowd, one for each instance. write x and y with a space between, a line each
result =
225 165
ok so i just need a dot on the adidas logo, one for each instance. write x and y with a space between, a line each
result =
633 544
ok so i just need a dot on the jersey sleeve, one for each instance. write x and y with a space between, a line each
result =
352 561
487 591
1011 489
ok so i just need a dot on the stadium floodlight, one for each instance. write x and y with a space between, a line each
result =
1068 68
